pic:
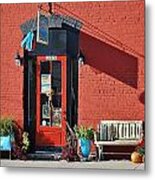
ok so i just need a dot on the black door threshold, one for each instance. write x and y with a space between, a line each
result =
46 153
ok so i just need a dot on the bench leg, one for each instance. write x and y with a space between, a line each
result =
100 150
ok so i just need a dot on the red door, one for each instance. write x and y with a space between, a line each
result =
51 101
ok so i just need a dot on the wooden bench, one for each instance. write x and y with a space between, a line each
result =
117 133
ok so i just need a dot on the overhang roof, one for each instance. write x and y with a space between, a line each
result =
56 21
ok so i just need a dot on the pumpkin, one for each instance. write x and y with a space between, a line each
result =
136 157
143 158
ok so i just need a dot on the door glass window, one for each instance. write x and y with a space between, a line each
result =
50 93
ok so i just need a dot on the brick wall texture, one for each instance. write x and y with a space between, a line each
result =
111 82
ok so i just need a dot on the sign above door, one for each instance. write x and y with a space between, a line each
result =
42 28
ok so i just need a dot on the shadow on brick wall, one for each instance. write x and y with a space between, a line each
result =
110 60
142 97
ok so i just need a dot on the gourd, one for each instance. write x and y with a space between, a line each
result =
136 157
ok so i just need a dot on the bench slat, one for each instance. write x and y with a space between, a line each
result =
118 143
122 130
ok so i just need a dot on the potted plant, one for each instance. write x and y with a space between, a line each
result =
21 146
138 156
6 133
69 152
85 135
13 138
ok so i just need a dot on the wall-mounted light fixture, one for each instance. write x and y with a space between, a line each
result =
81 58
18 59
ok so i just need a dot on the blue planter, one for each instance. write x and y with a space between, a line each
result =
85 145
5 143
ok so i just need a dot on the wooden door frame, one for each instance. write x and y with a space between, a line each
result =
63 60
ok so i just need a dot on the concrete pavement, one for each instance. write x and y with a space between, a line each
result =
111 164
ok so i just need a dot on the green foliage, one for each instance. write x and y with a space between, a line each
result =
141 146
20 140
84 132
6 126
21 147
25 142
141 151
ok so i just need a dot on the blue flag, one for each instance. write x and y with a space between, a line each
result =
27 41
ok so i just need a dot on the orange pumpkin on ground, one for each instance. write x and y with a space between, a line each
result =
136 157
143 158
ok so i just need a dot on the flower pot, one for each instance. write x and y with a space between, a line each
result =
136 157
85 145
5 143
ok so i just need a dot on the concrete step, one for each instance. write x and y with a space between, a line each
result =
46 153
44 156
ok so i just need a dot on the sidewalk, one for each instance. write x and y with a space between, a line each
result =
123 164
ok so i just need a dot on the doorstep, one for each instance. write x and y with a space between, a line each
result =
45 153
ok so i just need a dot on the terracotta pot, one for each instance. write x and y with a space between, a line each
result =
136 157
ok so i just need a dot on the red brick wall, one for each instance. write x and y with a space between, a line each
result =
112 80
11 76
111 83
